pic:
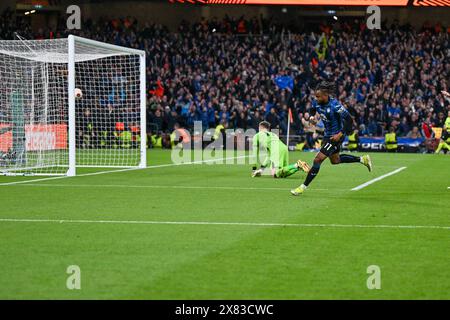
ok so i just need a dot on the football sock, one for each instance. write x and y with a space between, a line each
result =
346 158
312 174
440 146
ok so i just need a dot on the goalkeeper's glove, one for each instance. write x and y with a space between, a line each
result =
257 173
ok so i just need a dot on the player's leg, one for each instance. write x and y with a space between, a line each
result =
347 158
286 171
313 172
289 169
446 147
440 146
283 169
331 150
328 148
337 158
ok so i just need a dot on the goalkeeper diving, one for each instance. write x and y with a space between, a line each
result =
270 153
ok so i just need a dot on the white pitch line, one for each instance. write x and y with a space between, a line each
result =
26 181
248 224
123 170
378 179
153 187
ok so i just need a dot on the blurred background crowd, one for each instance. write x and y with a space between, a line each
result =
239 71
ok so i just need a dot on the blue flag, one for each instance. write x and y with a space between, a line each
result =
284 82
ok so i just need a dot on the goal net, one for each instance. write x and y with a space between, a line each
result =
67 103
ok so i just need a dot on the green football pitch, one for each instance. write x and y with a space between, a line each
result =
210 231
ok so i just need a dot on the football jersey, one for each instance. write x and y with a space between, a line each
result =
332 115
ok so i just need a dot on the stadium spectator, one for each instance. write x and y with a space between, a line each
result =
414 133
242 70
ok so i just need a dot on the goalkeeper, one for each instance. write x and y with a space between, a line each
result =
276 157
444 143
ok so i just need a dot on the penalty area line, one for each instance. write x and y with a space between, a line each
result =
211 223
378 179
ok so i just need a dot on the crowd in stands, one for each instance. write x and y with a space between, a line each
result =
238 72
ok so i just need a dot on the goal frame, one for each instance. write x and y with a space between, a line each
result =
71 97
70 59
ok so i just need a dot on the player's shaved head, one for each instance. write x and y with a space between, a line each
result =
264 125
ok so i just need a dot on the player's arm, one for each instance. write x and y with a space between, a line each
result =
347 119
261 144
266 160
255 153
257 144
266 144
347 123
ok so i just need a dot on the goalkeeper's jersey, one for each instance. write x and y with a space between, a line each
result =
266 141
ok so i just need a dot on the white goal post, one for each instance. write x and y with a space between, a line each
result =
68 103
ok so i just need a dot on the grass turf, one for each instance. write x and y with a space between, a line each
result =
179 261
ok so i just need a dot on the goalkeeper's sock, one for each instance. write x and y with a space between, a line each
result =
439 148
347 158
287 171
312 174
